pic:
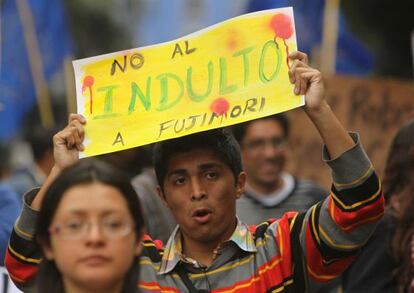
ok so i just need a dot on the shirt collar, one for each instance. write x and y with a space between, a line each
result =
241 236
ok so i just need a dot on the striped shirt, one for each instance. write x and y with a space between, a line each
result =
296 253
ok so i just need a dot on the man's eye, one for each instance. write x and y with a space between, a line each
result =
255 144
211 175
179 181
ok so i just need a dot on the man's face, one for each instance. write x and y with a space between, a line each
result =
201 192
263 151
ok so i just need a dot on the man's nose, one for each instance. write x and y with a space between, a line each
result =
198 191
271 150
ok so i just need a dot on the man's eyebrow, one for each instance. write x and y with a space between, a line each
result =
201 167
176 172
210 165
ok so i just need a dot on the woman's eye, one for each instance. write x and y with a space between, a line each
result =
114 224
74 225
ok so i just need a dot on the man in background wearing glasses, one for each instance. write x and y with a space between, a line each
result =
270 190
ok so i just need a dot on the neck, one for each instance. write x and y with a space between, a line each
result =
71 287
266 188
203 251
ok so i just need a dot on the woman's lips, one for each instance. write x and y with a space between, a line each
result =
95 260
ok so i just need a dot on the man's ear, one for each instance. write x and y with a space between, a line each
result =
241 182
138 249
140 240
161 194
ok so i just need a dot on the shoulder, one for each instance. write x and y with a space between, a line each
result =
274 226
310 188
153 249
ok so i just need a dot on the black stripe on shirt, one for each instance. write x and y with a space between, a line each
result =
26 248
151 251
297 255
353 195
328 253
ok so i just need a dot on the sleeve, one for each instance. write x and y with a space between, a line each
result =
331 232
23 255
9 211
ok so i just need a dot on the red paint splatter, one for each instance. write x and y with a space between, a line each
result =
232 44
232 39
283 28
282 25
220 106
88 83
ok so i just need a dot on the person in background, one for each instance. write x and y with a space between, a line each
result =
384 264
270 190
160 222
137 165
399 181
90 228
32 175
402 243
9 202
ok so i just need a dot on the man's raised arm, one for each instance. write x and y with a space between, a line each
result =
331 232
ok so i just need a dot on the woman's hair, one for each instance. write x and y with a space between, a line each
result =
401 241
399 182
397 165
49 279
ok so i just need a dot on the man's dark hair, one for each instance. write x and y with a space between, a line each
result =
239 130
41 141
5 164
219 140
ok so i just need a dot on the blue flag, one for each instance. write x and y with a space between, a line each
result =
352 56
17 92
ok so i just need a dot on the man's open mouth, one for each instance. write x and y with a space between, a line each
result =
202 215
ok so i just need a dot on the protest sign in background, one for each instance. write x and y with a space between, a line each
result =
374 108
232 72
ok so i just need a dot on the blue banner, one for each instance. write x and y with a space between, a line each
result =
352 56
17 92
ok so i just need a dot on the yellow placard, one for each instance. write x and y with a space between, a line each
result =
231 72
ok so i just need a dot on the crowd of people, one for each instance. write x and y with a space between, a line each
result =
216 212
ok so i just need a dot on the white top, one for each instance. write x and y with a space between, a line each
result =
276 197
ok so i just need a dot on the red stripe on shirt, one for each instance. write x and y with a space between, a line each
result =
354 219
318 270
19 272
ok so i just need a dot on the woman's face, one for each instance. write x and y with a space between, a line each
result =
92 237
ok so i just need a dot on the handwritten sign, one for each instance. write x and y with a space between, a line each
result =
231 72
375 108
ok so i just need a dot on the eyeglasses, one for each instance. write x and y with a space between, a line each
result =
111 228
260 144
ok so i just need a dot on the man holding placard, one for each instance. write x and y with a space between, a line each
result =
200 179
